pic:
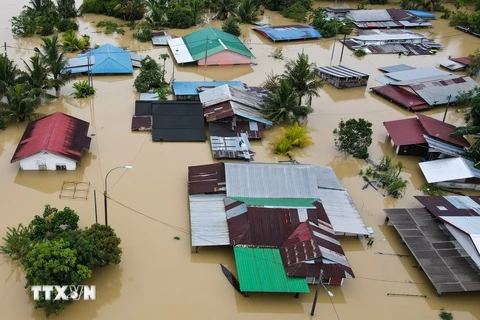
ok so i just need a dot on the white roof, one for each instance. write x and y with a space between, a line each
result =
468 224
469 242
448 170
452 65
180 50
208 220
383 37
369 15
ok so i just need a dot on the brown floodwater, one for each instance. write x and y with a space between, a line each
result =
159 277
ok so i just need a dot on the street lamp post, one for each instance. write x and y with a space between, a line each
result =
316 292
105 190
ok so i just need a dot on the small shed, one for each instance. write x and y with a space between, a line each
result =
54 142
289 32
232 147
343 77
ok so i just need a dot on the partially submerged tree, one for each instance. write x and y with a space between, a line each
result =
37 75
474 66
9 73
354 136
247 11
83 89
151 76
225 8
294 137
231 25
53 56
21 105
72 43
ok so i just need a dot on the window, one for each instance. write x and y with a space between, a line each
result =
61 167
42 167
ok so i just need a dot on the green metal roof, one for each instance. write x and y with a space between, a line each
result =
217 42
262 270
277 202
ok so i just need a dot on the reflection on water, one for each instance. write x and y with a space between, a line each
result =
160 277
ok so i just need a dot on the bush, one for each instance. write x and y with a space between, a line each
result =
329 28
150 77
359 52
446 14
354 136
3 124
232 26
47 29
297 12
67 24
144 33
83 89
431 189
180 18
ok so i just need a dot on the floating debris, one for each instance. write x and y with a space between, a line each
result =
406 295
176 238
392 254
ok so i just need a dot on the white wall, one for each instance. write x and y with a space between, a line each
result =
51 160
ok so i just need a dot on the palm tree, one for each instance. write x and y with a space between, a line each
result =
247 11
164 57
21 105
297 135
36 74
224 8
282 105
131 10
53 56
300 74
67 9
8 73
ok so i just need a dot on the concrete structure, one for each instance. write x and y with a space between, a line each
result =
54 142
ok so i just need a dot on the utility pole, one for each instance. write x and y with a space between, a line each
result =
343 47
446 109
316 293
206 52
5 46
334 41
95 201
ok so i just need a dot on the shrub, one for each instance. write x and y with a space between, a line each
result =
3 124
150 77
277 54
360 53
232 26
83 89
67 24
446 14
297 12
144 33
354 136
431 189
46 29
180 17
295 136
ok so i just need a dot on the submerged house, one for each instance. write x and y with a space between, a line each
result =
386 18
452 173
54 142
289 32
338 13
456 64
189 90
235 108
289 212
222 48
106 59
422 88
422 136
231 147
443 238
343 77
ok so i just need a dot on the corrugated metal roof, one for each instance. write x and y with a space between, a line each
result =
470 243
342 212
377 24
384 37
225 93
422 14
261 270
231 147
191 87
110 60
208 178
369 15
58 133
405 131
452 65
402 97
230 109
342 72
149 96
180 50
451 205
278 202
462 60
327 179
415 75
208 220
79 62
161 38
469 225
441 91
265 180
441 130
446 148
289 32
142 123
448 170
231 128
396 68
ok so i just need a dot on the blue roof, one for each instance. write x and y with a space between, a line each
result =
423 14
110 60
285 33
190 87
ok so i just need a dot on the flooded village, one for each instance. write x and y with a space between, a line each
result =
213 223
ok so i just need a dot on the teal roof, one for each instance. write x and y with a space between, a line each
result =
278 202
217 41
262 270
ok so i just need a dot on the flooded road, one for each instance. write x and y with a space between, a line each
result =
159 277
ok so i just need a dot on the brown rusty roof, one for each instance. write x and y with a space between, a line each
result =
208 178
462 60
142 123
405 132
441 130
402 97
451 206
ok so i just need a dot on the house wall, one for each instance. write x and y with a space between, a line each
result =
48 159
225 58
336 281
341 83
413 150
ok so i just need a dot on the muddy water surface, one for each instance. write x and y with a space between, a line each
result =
159 278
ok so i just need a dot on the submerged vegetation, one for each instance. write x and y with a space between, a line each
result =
293 137
329 27
445 315
152 76
72 43
52 249
431 189
386 176
231 25
83 89
110 27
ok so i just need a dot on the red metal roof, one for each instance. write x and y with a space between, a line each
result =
405 131
402 97
462 60
440 206
142 123
441 130
58 133
208 178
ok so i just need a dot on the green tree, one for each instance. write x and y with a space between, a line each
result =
131 10
37 75
301 75
150 77
297 135
67 9
272 82
164 57
54 58
232 26
53 222
354 136
180 17
247 11
17 243
72 43
22 101
296 12
156 15
283 106
474 66
83 89
225 8
107 244
329 28
9 73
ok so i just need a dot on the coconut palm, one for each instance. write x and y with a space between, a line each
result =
131 10
37 74
22 101
300 74
8 73
67 9
53 56
224 8
282 105
247 11
71 43
297 135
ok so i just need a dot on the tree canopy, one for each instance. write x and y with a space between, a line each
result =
354 136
